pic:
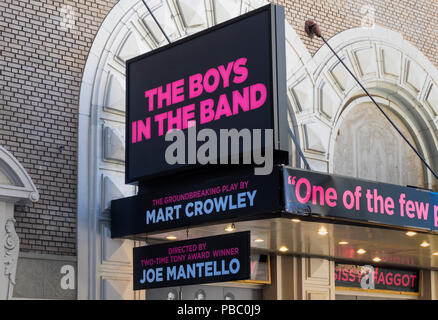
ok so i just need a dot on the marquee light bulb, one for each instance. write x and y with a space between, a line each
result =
296 220
377 259
171 238
343 243
411 233
361 251
322 231
283 249
230 228
425 244
259 240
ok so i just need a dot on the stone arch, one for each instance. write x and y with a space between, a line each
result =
16 186
15 183
392 69
104 264
362 123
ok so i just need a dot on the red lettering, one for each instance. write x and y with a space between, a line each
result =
413 277
150 95
195 85
331 197
389 281
308 191
207 112
240 70
178 91
435 213
352 276
240 100
317 189
409 208
164 95
397 279
422 210
223 107
211 74
141 130
225 73
381 278
174 121
134 132
389 206
405 277
188 115
345 275
255 91
160 119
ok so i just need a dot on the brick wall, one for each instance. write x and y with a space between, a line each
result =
414 19
40 75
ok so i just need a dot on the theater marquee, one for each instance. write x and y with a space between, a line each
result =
390 280
230 76
231 197
195 261
313 193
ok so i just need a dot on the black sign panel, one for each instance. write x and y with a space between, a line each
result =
336 196
235 196
204 260
352 276
229 76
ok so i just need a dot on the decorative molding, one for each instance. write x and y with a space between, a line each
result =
20 186
111 191
389 66
116 288
17 186
115 252
113 145
115 95
12 247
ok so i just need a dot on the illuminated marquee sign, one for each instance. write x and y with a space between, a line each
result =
350 276
326 195
230 197
230 76
203 260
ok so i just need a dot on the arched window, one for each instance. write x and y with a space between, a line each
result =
368 147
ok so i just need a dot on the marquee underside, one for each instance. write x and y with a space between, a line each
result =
340 243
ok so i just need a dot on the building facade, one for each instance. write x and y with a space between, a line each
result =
62 113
